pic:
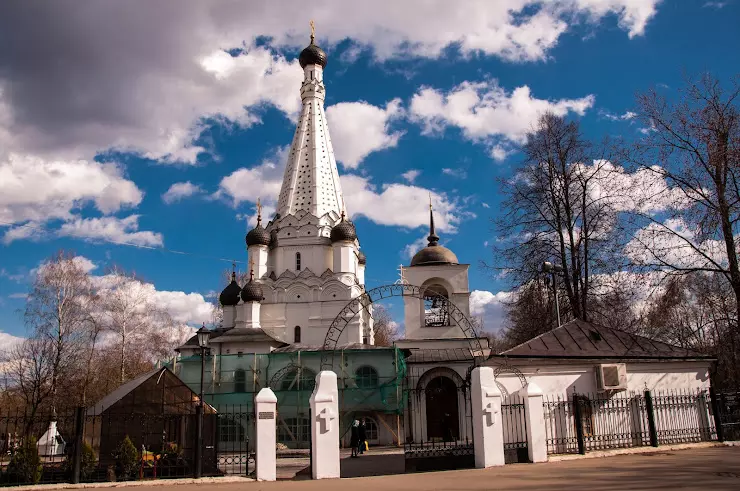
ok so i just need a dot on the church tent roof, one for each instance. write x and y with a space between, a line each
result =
579 339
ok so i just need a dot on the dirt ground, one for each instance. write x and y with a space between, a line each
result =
705 468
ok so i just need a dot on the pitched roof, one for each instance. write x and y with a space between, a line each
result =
242 334
440 355
580 339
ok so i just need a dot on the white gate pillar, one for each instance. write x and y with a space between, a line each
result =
488 434
324 404
535 419
265 405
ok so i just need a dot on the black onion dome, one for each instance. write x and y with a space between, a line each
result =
361 258
312 55
344 230
258 236
252 292
434 254
230 295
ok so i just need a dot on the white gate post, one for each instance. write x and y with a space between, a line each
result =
535 418
325 427
265 405
488 433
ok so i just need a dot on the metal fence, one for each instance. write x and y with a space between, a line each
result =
35 446
726 407
588 422
514 424
683 417
80 445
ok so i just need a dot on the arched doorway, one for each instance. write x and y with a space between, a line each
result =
442 410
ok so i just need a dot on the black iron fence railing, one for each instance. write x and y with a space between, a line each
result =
586 422
514 424
151 442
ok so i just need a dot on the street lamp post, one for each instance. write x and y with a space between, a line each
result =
203 337
554 270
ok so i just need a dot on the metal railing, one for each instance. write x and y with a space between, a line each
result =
587 422
81 445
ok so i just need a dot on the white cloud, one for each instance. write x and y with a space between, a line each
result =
714 5
180 190
457 173
7 341
262 181
487 113
411 175
499 152
18 295
628 115
111 229
410 249
400 204
34 189
171 73
489 307
485 205
358 129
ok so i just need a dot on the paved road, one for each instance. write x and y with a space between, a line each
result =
708 468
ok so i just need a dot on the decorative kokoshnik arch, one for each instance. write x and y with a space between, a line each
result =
350 311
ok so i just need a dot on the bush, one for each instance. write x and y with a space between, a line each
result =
127 459
88 462
25 463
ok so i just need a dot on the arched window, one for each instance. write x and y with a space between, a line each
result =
240 380
436 306
298 379
366 377
297 334
298 261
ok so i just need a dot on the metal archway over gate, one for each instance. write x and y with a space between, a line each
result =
357 304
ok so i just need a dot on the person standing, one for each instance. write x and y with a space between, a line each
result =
354 440
363 435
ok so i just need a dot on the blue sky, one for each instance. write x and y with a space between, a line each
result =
104 108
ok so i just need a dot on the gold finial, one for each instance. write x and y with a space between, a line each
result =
430 200
313 29
251 269
259 211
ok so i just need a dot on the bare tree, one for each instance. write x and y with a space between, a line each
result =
693 144
529 313
133 318
384 327
559 206
58 313
30 369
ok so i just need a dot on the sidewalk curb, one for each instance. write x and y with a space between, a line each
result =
126 484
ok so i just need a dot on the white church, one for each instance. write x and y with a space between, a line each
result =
306 264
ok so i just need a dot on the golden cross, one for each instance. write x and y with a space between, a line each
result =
259 208
430 200
251 268
313 28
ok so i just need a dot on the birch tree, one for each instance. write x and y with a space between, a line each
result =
58 314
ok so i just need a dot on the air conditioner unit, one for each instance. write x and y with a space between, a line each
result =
611 377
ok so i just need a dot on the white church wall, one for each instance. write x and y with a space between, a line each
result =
258 256
559 379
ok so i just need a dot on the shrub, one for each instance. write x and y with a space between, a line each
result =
127 459
88 462
25 463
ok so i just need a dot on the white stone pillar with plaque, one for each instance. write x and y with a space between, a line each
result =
265 406
324 404
488 433
535 420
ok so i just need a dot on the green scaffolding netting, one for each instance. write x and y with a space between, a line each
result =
370 384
